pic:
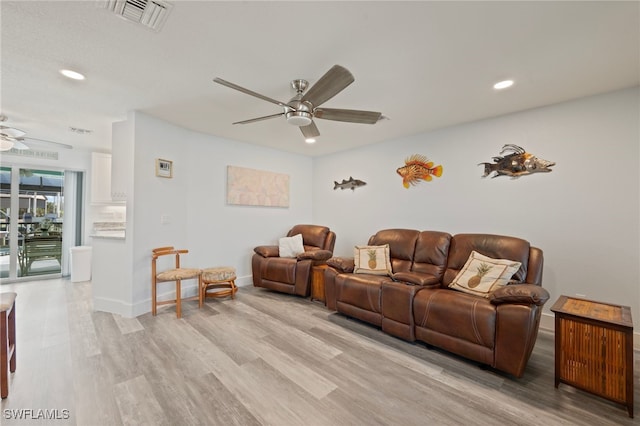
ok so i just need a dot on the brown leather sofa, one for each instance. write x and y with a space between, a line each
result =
293 275
415 302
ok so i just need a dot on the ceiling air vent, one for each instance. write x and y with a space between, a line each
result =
150 13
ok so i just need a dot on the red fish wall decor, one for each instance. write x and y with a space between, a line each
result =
417 168
516 164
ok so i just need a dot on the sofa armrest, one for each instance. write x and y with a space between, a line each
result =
341 264
520 293
417 278
267 251
315 255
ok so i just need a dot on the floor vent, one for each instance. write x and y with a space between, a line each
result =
151 14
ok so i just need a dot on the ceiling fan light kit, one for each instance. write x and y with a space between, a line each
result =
5 144
303 107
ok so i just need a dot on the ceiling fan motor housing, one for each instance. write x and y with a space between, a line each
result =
301 114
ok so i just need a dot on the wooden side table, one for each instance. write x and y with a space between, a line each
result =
317 283
594 348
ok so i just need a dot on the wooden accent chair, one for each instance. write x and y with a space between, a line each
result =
176 274
8 337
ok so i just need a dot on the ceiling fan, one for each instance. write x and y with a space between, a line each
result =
11 137
304 107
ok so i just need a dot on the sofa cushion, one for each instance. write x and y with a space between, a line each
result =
360 290
495 246
402 244
459 315
290 246
372 260
430 256
481 275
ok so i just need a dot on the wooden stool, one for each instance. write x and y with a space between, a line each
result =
221 279
8 343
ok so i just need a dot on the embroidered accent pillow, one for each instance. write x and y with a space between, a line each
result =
290 246
481 275
372 260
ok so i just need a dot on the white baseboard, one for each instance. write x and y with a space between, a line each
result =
128 310
548 321
244 281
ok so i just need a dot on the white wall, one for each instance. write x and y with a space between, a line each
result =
584 215
215 233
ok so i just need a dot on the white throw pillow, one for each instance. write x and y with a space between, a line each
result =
291 246
481 275
372 260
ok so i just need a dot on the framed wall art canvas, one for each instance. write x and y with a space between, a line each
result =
250 187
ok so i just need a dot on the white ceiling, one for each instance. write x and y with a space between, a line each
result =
425 65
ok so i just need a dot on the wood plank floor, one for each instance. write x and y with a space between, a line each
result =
262 359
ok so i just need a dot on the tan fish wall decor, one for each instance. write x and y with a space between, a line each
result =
418 168
516 164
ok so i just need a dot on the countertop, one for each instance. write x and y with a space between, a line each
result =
114 230
109 234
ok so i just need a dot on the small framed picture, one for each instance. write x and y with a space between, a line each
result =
164 168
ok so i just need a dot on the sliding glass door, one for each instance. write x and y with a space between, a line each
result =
31 222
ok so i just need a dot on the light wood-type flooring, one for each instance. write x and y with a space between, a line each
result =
262 359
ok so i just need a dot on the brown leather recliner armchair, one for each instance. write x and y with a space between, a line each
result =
288 274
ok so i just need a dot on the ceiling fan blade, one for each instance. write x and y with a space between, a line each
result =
248 92
42 142
266 117
11 132
329 85
19 145
348 115
310 131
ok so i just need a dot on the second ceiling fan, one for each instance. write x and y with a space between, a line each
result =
304 107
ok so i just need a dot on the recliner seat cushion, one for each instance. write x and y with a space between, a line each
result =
456 314
360 290
279 269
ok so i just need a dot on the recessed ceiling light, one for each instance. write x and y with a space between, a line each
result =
72 74
310 140
503 84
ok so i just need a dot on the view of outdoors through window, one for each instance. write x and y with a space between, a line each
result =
36 249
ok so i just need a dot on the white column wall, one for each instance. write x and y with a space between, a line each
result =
194 201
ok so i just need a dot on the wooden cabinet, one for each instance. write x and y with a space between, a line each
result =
317 283
100 178
594 348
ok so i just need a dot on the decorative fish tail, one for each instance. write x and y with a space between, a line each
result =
488 168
